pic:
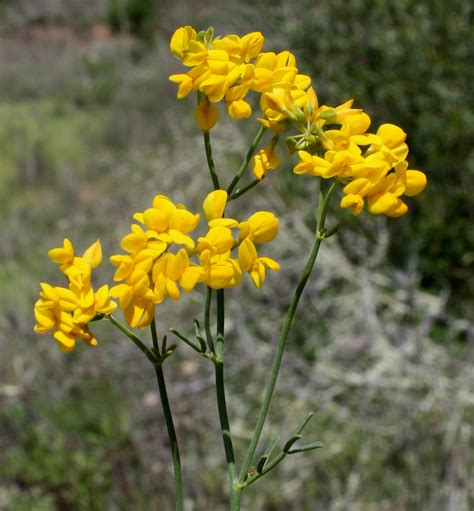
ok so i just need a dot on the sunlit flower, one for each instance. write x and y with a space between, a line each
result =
66 312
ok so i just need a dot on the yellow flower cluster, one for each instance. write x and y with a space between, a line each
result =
372 166
265 160
67 311
227 68
333 142
159 254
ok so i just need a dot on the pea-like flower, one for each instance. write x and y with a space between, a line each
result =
162 256
66 312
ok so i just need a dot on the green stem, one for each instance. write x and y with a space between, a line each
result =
221 399
235 504
149 354
155 358
321 218
210 160
172 436
169 423
207 320
247 158
278 459
245 189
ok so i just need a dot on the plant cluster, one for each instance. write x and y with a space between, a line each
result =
164 255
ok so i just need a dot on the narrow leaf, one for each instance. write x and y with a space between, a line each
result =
303 424
266 455
188 341
306 447
289 443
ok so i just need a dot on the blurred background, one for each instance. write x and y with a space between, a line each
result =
383 344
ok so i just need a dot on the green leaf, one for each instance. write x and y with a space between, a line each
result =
306 447
262 461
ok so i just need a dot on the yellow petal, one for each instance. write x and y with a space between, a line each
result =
189 278
93 255
181 239
391 135
134 241
263 226
247 255
415 182
269 263
356 202
380 204
183 220
62 255
180 40
239 109
359 186
46 319
66 342
214 204
185 84
206 115
172 290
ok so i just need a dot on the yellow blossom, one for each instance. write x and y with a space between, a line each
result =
250 262
206 115
67 311
261 227
264 160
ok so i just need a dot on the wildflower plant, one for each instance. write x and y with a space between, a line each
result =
162 257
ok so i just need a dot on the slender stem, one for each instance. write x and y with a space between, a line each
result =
272 464
154 336
149 354
246 161
220 392
169 423
172 436
210 160
219 359
207 320
322 211
236 499
244 189
155 359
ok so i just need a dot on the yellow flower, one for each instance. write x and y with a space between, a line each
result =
219 271
206 115
151 271
179 44
261 227
218 240
67 311
170 269
250 262
214 205
264 160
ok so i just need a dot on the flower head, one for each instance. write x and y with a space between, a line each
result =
66 312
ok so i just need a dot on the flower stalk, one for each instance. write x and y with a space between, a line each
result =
323 205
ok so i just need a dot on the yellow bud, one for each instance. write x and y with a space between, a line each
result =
263 226
214 204
416 182
93 255
179 43
239 109
206 115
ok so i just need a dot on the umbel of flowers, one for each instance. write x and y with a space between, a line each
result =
169 249
332 142
163 257
66 311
